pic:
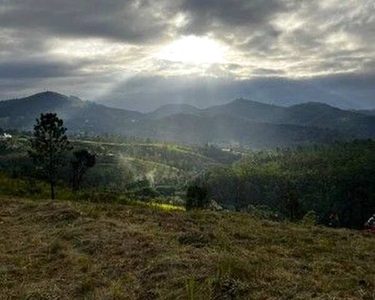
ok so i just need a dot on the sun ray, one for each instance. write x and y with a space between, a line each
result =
194 50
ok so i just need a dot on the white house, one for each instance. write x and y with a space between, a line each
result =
5 136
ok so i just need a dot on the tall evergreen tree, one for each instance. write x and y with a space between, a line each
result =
48 147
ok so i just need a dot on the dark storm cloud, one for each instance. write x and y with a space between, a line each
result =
37 69
134 21
210 15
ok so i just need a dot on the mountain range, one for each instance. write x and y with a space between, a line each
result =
251 123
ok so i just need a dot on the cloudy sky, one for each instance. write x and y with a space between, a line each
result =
139 54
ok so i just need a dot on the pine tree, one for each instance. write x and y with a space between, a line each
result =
48 146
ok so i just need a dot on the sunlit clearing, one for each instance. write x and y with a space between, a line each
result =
167 207
193 50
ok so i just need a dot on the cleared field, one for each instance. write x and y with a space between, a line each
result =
79 250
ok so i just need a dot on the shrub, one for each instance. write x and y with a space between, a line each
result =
309 219
263 212
196 197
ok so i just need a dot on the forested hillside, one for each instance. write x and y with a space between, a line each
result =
335 182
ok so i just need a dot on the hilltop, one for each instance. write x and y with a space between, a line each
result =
172 109
79 116
81 250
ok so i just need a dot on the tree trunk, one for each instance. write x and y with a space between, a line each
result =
52 184
74 181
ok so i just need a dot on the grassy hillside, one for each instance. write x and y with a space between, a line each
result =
80 250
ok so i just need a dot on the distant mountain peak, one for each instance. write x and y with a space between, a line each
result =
316 106
244 100
172 109
47 94
176 105
21 113
313 104
239 100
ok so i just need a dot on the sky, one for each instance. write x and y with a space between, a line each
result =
140 54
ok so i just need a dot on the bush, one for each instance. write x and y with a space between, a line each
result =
263 212
309 219
196 197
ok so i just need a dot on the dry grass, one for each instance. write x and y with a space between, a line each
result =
71 250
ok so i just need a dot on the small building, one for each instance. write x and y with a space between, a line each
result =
5 136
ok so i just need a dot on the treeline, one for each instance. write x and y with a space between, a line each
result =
337 182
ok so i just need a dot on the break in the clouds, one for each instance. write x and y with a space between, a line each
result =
143 53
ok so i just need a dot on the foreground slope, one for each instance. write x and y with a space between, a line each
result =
67 250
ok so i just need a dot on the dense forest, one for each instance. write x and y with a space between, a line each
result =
335 182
